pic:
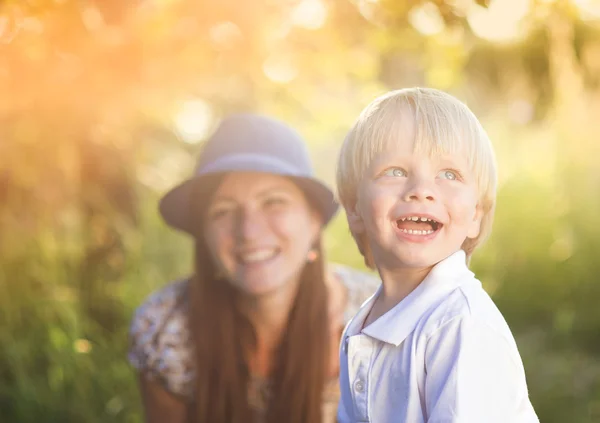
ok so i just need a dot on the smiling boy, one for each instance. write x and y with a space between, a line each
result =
417 177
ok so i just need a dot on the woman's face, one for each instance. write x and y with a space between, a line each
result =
259 229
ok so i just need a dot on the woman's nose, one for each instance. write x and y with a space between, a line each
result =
250 225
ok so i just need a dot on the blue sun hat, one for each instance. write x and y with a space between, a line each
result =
249 143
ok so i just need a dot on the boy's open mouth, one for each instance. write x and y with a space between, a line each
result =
418 225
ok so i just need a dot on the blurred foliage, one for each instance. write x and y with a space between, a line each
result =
104 104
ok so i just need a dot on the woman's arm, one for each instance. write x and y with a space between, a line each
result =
160 406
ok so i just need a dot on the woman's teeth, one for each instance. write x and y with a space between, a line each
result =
258 255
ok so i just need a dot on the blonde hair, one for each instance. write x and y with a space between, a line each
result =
442 123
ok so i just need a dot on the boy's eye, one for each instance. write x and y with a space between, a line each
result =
451 175
395 171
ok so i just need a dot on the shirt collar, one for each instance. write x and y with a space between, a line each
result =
395 325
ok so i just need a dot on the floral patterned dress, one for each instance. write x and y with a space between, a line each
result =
160 344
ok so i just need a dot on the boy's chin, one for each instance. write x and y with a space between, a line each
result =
419 259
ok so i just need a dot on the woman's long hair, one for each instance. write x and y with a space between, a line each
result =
224 338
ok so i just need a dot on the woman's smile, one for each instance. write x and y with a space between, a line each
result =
257 256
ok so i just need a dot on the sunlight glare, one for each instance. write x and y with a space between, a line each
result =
501 22
82 346
193 120
280 68
426 19
225 34
589 9
309 14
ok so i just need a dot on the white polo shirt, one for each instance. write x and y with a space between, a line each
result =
444 354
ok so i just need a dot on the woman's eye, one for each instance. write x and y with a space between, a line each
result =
451 175
395 171
218 213
274 201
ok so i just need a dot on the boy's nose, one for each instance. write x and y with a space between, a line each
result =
419 191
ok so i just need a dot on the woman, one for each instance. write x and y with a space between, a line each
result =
253 335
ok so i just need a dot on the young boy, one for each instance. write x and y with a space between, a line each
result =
417 178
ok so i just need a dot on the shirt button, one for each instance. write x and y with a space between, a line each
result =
359 386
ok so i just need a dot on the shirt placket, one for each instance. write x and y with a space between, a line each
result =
360 352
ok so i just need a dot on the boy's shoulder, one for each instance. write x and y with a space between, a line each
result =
468 302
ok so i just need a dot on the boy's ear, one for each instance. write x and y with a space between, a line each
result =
358 232
355 221
475 227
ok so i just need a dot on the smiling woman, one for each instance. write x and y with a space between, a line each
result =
261 229
243 339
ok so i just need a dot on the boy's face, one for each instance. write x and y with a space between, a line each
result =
415 209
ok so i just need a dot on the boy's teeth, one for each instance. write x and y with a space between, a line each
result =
416 232
416 219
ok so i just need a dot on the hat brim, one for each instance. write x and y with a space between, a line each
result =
175 206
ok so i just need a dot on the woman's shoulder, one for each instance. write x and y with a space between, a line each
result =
162 307
159 338
360 286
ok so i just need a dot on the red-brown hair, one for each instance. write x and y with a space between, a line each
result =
224 339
